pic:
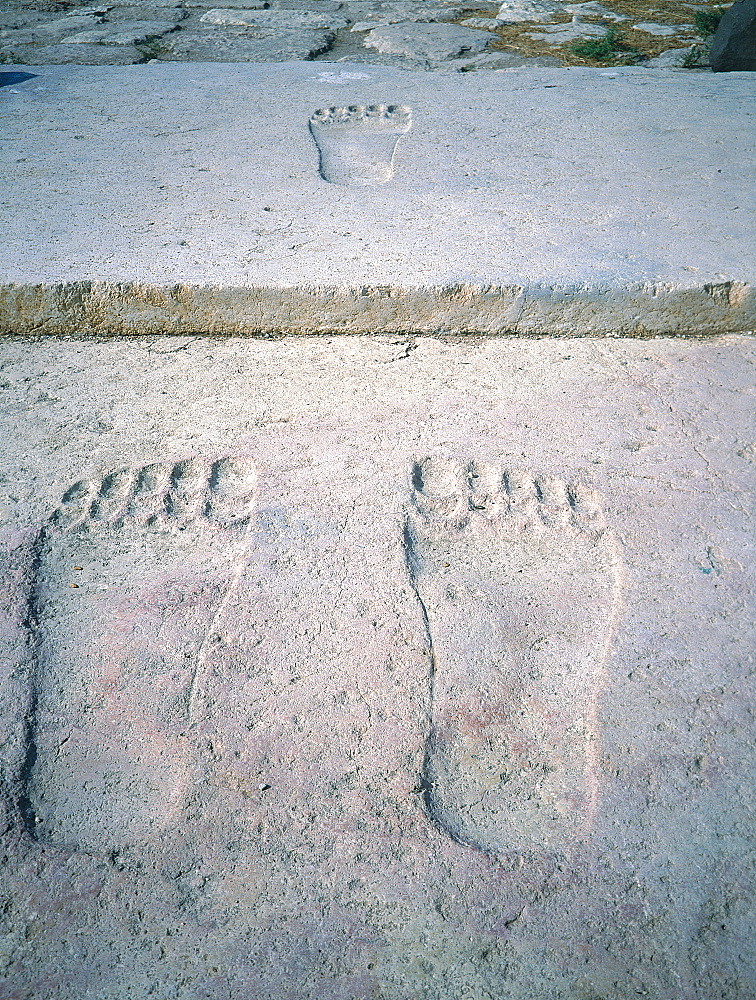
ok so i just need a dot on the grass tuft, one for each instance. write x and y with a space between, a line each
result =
707 21
604 49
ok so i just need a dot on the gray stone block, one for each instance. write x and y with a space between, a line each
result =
436 42
734 43
515 11
499 60
273 20
121 34
240 45
79 55
46 34
670 59
193 199
393 13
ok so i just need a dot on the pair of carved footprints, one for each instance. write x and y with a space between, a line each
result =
357 143
517 579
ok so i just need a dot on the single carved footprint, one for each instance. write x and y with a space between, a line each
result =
357 144
131 572
519 581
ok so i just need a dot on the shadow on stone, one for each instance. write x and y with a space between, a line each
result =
7 79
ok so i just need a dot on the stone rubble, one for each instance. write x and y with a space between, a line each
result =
514 11
273 20
664 31
440 35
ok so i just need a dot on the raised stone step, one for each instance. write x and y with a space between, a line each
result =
199 198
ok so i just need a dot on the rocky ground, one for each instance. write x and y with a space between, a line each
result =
437 34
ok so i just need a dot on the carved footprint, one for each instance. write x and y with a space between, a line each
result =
131 573
519 581
357 144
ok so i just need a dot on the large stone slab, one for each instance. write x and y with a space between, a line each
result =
434 42
273 20
286 711
211 43
192 198
131 33
81 55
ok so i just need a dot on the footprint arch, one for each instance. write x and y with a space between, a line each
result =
519 581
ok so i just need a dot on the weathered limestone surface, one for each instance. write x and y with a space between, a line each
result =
436 42
188 198
287 710
208 43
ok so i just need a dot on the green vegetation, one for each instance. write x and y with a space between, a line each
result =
606 49
707 21
694 59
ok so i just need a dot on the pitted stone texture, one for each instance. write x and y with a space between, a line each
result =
593 9
303 864
662 30
558 34
46 33
394 13
498 60
209 43
506 214
515 11
671 59
78 55
273 20
319 6
486 23
16 42
435 42
130 33
734 43
391 11
101 9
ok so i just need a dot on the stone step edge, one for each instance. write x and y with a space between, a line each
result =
105 309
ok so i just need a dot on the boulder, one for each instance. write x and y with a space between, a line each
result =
734 44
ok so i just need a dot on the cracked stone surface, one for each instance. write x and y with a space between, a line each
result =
280 30
434 42
401 664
